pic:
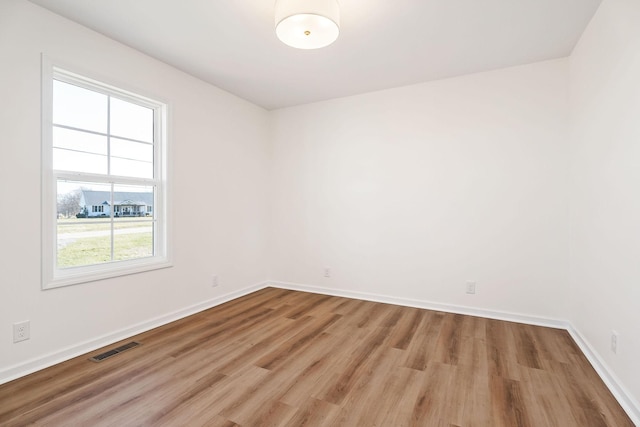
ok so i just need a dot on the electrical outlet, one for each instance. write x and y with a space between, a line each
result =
21 331
214 281
614 342
327 272
471 287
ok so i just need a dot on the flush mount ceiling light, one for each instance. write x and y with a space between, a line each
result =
307 24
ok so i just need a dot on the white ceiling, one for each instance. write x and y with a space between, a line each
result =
382 43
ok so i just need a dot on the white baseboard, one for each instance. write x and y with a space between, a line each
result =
626 400
19 370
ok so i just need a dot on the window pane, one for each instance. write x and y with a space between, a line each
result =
79 141
132 239
83 243
132 150
134 159
131 168
130 120
133 235
80 108
76 161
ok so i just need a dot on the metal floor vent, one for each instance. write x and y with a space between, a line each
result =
100 357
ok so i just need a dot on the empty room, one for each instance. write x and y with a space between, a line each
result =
320 213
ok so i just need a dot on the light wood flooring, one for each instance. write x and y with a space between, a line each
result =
285 358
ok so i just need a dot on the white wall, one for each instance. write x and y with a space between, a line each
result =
413 191
219 150
605 179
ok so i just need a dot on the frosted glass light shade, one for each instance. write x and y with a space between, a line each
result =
307 24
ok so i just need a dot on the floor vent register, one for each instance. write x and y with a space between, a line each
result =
110 353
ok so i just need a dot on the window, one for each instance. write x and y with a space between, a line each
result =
104 180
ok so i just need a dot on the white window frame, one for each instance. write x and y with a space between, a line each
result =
54 277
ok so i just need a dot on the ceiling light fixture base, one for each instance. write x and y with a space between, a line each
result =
307 24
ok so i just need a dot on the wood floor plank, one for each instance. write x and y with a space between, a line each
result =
286 358
384 375
347 377
449 339
314 372
469 401
296 343
547 402
423 347
508 407
502 351
430 406
359 405
407 327
264 339
410 383
253 403
314 413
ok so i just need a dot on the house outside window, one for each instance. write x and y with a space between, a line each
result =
124 203
104 158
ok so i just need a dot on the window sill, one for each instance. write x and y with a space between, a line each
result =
74 276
